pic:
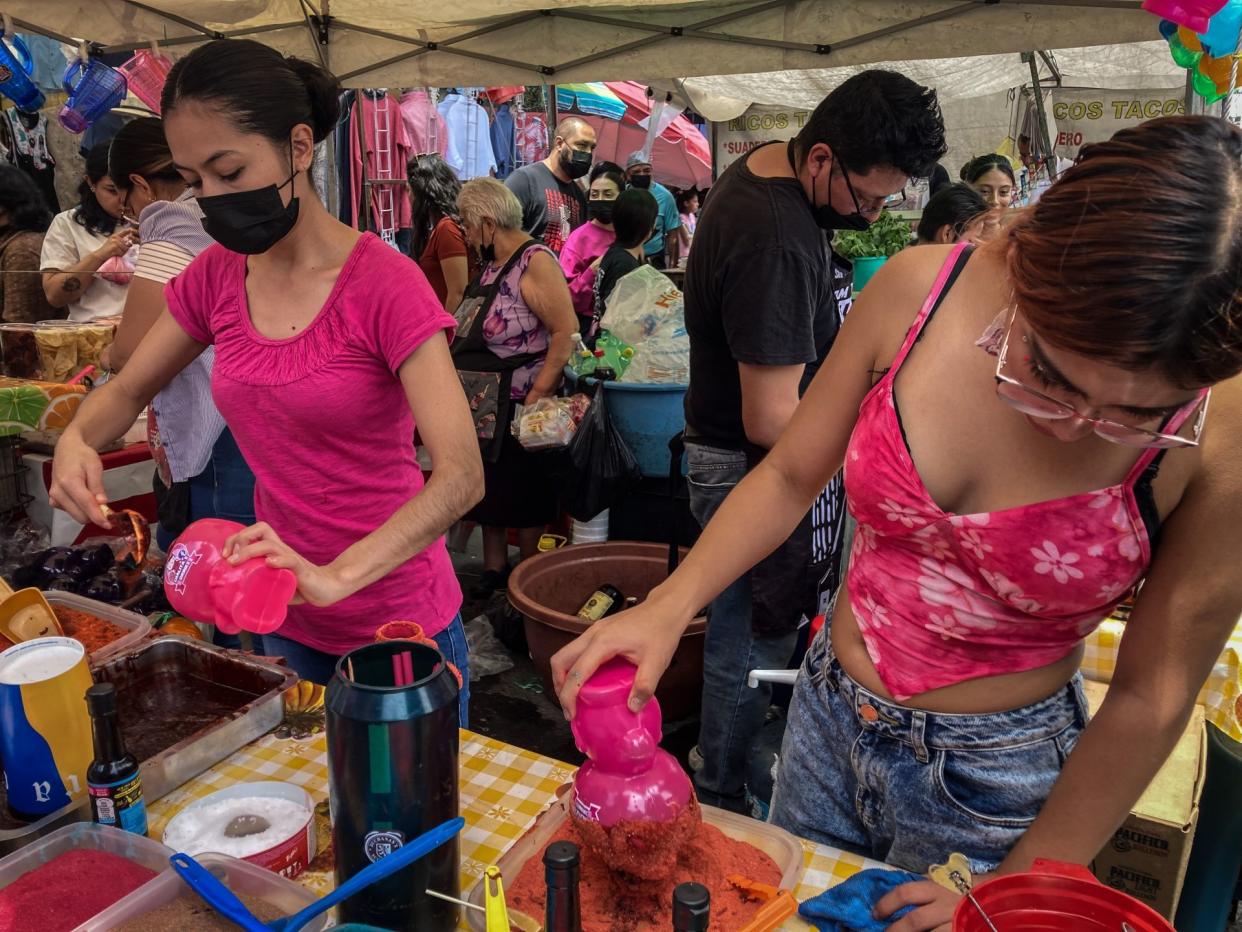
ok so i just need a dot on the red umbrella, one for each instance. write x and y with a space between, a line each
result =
680 157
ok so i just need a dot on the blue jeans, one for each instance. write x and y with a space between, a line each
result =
732 714
908 787
318 666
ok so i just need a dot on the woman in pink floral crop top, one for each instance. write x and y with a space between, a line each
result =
1019 428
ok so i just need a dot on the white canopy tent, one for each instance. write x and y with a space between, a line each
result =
390 43
976 92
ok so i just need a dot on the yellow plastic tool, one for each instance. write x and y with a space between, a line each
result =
494 901
25 615
778 905
955 877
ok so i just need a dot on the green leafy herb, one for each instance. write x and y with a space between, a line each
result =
886 237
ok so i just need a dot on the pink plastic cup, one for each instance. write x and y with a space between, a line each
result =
628 777
203 586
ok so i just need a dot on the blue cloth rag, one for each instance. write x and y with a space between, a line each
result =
847 906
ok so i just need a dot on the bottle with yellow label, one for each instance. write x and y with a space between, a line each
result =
604 601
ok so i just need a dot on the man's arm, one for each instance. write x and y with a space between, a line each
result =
769 399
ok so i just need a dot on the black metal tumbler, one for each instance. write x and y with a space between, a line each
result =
392 767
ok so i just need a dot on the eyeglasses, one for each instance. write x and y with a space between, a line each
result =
1035 403
874 204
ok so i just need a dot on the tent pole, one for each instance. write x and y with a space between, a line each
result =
1038 91
549 101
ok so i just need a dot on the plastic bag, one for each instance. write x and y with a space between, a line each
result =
602 468
640 303
663 358
487 655
550 423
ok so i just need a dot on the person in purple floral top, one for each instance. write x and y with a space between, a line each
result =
532 312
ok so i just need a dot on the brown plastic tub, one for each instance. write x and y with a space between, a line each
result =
548 589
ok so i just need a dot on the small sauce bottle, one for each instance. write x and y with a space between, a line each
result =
564 908
112 780
691 908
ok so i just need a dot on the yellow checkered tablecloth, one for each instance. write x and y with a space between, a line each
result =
503 789
1221 696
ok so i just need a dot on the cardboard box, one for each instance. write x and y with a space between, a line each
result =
1147 856
28 405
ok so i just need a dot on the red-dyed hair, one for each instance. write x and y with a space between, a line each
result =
1134 256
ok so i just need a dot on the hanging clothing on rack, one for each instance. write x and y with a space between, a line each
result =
530 139
343 133
379 127
504 144
24 139
469 137
423 125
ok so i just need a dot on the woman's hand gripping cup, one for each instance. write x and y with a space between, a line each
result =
646 635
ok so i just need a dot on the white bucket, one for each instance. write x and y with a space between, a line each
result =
594 531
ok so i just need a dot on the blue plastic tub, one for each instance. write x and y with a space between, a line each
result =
647 416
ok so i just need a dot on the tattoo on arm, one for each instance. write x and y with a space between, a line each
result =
71 284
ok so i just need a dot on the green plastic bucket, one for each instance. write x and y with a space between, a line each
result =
864 268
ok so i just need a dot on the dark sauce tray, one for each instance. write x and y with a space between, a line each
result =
183 706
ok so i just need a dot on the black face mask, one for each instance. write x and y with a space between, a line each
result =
828 217
250 222
575 163
601 210
487 251
641 181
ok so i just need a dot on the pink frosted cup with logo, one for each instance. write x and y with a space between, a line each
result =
203 586
629 777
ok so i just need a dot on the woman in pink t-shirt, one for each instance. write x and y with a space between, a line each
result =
586 245
330 346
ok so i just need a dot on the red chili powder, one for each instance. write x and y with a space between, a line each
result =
94 633
68 890
613 901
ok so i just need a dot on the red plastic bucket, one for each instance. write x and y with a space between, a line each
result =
1055 897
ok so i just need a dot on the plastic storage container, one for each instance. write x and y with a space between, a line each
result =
15 61
141 851
239 876
646 416
775 842
136 626
288 857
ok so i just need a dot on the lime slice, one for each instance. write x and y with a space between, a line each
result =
22 403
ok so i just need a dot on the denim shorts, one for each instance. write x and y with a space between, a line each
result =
910 787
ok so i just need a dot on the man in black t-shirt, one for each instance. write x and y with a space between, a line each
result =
764 298
553 203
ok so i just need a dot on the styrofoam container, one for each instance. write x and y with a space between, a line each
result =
776 843
136 848
136 626
288 857
241 877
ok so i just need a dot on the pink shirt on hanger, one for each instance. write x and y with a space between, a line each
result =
400 152
426 131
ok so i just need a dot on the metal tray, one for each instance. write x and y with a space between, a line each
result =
212 701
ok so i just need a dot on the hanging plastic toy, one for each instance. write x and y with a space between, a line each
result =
146 74
1193 14
93 88
1220 38
16 69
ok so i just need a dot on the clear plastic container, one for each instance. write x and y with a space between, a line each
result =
776 843
136 626
241 877
135 848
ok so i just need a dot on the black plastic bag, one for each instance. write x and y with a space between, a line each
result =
601 466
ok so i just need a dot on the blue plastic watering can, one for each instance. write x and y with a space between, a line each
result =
15 74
